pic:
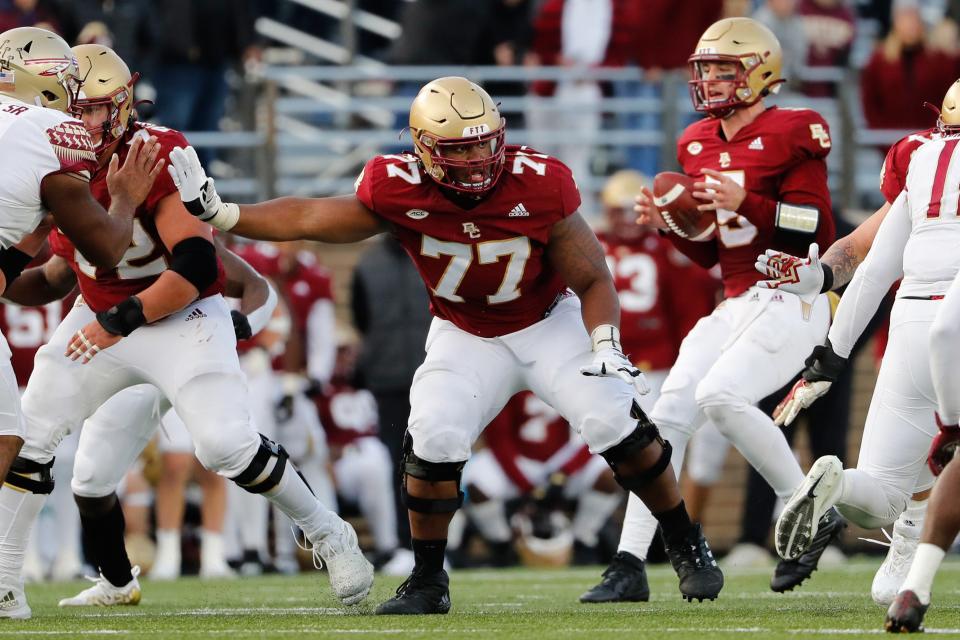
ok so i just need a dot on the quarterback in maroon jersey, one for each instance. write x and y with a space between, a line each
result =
762 170
495 234
158 317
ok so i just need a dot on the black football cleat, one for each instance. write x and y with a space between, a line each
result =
625 580
700 577
419 595
791 573
905 615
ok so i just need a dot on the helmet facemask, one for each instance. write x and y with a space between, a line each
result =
435 154
118 103
741 95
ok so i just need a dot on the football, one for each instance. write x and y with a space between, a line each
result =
673 197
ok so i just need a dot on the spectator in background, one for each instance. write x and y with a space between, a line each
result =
439 32
782 18
578 34
505 42
658 50
392 313
830 28
202 40
903 73
129 27
28 13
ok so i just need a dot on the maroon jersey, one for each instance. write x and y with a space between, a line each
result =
147 256
893 175
529 428
483 261
29 328
302 287
779 157
659 290
347 413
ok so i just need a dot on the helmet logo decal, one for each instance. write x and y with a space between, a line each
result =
475 130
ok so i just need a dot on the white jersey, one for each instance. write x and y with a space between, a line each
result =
35 142
931 257
918 240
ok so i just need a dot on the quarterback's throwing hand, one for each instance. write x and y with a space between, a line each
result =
197 191
800 276
609 360
90 341
823 368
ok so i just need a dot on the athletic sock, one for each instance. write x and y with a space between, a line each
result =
675 522
103 539
923 569
428 555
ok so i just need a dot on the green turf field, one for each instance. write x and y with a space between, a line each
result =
512 603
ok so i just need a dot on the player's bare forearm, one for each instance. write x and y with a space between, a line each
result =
576 254
170 293
242 280
41 285
846 254
339 219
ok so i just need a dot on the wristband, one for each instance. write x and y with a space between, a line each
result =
827 278
123 318
605 336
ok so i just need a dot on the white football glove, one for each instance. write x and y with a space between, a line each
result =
800 276
823 368
609 360
197 191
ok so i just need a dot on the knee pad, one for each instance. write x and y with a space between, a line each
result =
34 477
645 434
411 464
265 470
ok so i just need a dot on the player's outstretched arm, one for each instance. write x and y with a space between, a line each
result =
103 237
881 268
576 254
339 219
41 285
835 268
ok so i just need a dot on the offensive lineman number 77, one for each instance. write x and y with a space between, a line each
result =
461 257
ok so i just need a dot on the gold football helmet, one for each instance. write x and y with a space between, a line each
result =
754 50
37 67
618 196
451 112
949 121
106 80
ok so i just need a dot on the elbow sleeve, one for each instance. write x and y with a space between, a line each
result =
195 259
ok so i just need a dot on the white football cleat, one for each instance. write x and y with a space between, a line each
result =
893 571
351 574
13 603
104 594
797 525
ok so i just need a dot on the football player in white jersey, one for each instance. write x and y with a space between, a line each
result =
917 241
46 165
806 277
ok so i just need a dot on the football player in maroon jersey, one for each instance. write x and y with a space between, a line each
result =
159 318
495 233
808 276
764 175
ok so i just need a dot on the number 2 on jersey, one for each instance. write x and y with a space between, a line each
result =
461 257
